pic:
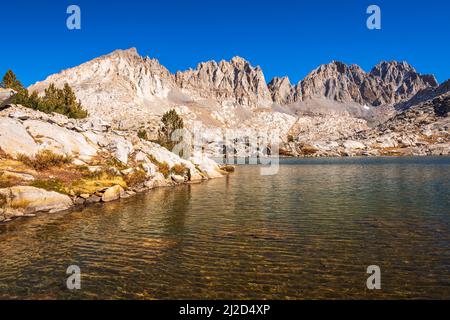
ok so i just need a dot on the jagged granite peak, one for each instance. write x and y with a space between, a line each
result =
387 83
145 75
397 72
235 81
114 85
402 78
283 92
335 81
125 87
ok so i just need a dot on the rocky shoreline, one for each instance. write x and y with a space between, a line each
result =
26 201
50 163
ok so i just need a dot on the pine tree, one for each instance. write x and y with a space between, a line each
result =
51 100
63 101
171 122
10 81
69 96
34 101
73 107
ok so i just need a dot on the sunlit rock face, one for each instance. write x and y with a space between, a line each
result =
120 86
24 131
387 83
235 81
132 92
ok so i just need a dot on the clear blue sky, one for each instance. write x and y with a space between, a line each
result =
284 37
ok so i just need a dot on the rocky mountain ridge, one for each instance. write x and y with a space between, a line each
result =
387 83
235 81
333 103
124 85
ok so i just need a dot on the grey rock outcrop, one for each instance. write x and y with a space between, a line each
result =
113 193
402 79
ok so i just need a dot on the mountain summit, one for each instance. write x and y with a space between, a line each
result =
123 85
387 83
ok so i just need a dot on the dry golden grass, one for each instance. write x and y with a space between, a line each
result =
391 152
7 169
428 139
285 153
105 159
56 173
15 166
20 204
50 185
7 181
179 169
44 159
88 186
135 178
163 167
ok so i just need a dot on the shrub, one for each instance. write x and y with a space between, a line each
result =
290 138
136 178
101 173
179 169
3 154
228 168
142 134
114 163
105 159
44 159
8 181
164 169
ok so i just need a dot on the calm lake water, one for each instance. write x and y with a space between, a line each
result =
310 231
